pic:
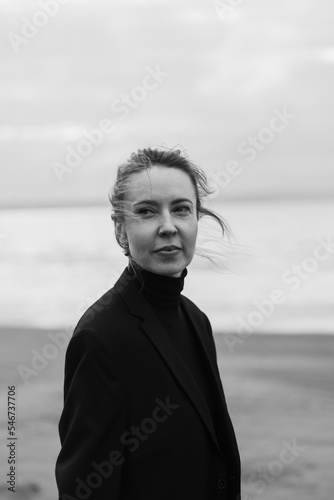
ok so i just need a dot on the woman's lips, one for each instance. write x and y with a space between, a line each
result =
173 251
168 248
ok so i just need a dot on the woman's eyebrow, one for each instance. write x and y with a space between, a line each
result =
153 202
182 200
147 202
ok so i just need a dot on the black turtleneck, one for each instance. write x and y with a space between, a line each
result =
163 293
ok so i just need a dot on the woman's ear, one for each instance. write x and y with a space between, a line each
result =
121 234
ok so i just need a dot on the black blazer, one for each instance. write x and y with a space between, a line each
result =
135 424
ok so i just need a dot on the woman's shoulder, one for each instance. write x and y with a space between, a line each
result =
108 312
105 307
191 305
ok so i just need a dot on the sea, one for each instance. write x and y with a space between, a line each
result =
275 274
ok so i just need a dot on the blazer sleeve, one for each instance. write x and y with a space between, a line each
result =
92 422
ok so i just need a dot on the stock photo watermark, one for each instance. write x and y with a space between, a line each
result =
58 341
130 441
250 148
263 477
293 277
40 358
120 106
31 27
11 445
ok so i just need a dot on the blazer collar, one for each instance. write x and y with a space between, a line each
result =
128 287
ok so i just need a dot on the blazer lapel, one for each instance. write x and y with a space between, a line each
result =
158 336
205 345
152 327
225 431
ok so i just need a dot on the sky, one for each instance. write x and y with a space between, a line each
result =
245 88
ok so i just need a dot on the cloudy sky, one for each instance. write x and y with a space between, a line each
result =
248 87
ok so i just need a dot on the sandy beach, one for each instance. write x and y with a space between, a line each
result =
280 394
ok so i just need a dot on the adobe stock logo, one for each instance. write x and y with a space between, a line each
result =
130 442
40 358
31 27
250 148
43 355
122 108
254 143
260 480
293 277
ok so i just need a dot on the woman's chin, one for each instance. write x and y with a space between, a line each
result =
173 269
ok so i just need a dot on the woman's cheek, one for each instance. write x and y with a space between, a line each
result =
140 242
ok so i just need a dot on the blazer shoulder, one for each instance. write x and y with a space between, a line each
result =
103 310
110 316
192 307
196 313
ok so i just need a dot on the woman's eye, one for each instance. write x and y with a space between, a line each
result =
145 211
183 209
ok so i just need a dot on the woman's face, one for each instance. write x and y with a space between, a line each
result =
160 224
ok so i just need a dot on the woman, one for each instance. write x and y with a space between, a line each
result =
144 413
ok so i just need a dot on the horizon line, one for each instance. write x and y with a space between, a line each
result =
237 199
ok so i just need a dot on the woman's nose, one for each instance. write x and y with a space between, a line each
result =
167 225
